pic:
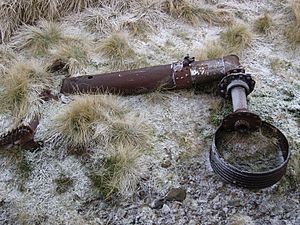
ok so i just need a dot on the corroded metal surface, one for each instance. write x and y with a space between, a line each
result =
248 179
181 74
237 86
23 136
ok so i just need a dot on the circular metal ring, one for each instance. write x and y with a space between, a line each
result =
252 180
226 81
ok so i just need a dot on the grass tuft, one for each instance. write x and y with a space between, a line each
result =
100 20
76 124
72 55
137 27
264 24
211 50
130 130
182 9
7 58
119 173
235 38
20 83
99 119
293 31
117 50
38 39
84 121
14 13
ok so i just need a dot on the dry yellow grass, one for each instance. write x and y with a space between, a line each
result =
20 83
7 58
100 20
38 39
264 24
236 38
72 54
120 172
183 9
117 50
14 13
77 123
211 50
293 31
130 130
103 119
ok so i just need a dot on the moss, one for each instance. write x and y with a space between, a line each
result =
218 110
23 167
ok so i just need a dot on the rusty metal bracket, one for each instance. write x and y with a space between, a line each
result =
182 74
236 86
23 136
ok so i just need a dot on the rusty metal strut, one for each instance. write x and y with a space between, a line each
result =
237 85
179 75
23 136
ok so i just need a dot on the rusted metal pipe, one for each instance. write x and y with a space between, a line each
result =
178 75
23 136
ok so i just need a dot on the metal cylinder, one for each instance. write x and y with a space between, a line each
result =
181 74
239 101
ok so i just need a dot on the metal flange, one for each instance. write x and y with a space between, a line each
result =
239 79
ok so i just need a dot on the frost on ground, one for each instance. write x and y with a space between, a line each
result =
181 121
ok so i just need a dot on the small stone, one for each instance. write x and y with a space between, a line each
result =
176 194
157 204
166 164
165 209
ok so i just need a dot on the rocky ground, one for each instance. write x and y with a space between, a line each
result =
183 131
